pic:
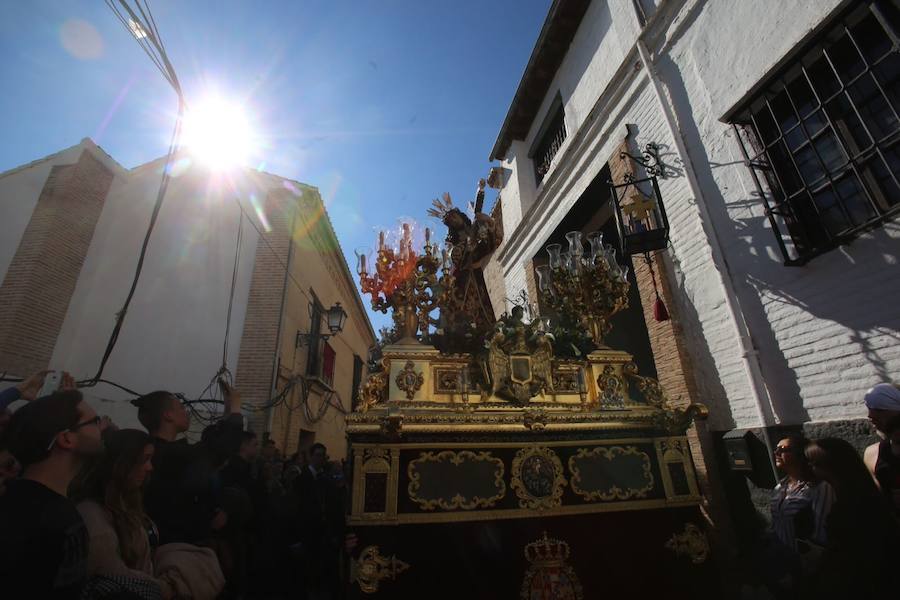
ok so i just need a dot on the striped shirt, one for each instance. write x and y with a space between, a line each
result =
799 510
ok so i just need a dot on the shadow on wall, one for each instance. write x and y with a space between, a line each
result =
762 280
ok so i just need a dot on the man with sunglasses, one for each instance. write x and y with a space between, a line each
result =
43 541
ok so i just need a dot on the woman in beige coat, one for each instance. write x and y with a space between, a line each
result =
122 537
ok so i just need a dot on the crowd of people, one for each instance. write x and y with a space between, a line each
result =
835 530
88 510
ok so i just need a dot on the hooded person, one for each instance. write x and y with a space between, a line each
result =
883 458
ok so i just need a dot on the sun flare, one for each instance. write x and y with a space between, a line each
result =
218 133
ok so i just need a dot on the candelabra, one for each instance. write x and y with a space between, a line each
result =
584 289
406 282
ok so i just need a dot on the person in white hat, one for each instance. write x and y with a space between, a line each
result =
883 458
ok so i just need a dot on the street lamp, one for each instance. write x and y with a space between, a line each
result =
334 318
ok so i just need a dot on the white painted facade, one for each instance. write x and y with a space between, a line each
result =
769 343
173 335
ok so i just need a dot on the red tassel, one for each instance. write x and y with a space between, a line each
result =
660 312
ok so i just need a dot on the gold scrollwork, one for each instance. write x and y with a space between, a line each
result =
537 478
457 501
372 568
692 543
614 492
409 380
372 392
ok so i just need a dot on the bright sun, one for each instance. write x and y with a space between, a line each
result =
218 133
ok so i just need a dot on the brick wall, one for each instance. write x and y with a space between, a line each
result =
666 338
260 338
41 278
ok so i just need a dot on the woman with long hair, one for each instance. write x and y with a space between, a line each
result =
122 537
799 506
863 549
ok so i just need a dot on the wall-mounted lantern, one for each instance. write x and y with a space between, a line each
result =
640 213
334 318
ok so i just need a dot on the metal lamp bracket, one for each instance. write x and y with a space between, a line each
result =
649 159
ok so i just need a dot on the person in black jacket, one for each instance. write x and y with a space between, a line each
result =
183 496
43 539
322 524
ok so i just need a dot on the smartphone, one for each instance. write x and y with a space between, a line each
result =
52 381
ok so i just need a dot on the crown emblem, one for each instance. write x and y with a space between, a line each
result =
547 552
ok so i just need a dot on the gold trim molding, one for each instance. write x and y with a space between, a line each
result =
457 501
615 492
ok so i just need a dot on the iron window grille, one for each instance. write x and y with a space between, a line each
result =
821 139
550 138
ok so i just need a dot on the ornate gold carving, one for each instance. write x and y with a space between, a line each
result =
535 420
692 543
676 451
611 387
549 577
372 391
672 418
565 381
447 381
615 492
409 380
372 569
537 478
457 501
520 358
391 425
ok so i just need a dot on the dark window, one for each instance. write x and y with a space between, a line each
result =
313 357
821 138
328 360
357 380
550 137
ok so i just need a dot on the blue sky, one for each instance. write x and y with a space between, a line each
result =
383 104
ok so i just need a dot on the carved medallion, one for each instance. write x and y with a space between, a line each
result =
692 543
372 569
409 380
549 577
611 388
537 478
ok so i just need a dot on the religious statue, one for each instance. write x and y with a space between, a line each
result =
466 312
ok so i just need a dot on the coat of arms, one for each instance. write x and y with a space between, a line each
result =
520 358
549 577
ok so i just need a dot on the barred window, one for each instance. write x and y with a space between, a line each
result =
549 139
821 137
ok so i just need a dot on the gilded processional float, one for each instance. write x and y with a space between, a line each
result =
515 458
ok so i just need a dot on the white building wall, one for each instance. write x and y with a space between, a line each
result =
823 337
174 332
826 331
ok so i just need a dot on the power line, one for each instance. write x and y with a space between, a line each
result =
141 30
